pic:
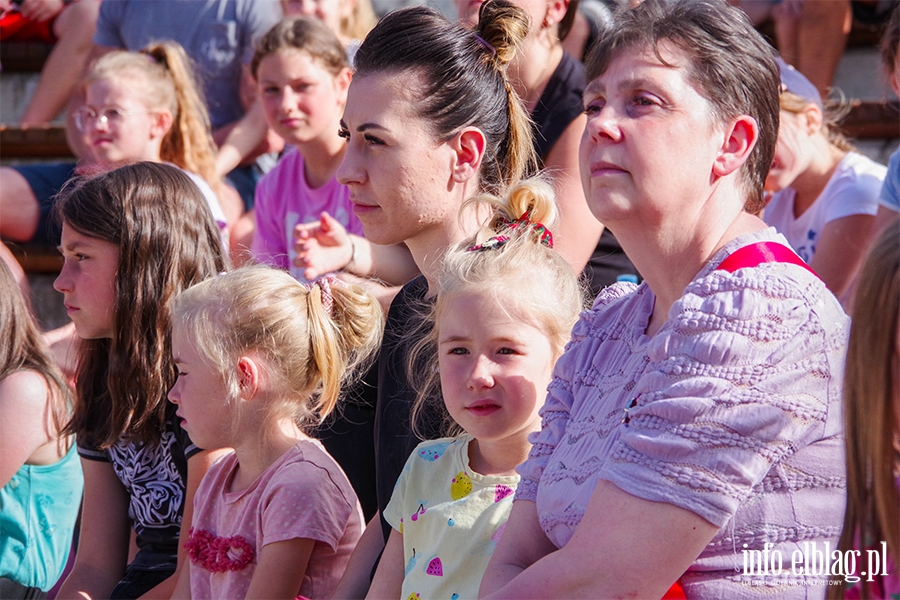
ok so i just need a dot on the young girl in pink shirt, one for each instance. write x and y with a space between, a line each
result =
260 357
302 76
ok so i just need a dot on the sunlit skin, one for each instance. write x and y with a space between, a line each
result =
399 176
200 395
634 164
301 100
495 367
138 136
87 281
330 12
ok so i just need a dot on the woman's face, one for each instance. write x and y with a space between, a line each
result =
399 174
87 281
330 12
651 140
118 125
793 152
302 101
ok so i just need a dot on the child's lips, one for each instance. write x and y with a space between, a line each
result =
483 408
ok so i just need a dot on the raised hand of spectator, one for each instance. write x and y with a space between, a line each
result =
322 247
41 10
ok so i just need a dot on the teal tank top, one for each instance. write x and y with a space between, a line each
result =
38 508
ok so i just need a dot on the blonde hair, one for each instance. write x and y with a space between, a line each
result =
870 419
307 353
170 84
833 112
360 21
524 275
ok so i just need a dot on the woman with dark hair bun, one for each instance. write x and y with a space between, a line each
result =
431 120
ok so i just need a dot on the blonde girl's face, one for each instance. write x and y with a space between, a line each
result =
204 408
330 12
302 101
119 127
793 152
495 367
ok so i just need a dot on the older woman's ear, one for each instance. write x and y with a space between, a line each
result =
739 141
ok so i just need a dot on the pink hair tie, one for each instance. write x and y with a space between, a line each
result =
324 285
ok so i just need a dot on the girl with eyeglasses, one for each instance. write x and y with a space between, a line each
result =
139 106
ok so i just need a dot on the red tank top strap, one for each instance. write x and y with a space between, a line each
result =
759 253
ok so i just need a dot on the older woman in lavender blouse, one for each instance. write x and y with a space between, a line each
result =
692 428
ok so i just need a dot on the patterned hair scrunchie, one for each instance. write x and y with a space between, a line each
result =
523 222
324 285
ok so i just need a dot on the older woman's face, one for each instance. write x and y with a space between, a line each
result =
398 173
650 141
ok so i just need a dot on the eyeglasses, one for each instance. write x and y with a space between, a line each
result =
111 116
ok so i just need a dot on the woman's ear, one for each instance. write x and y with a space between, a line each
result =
342 84
249 375
556 10
468 146
737 145
161 123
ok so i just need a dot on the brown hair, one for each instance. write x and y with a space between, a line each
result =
171 84
22 348
307 351
167 241
518 275
870 411
464 77
306 34
730 64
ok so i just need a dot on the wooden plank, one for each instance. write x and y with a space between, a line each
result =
42 141
35 258
872 120
24 57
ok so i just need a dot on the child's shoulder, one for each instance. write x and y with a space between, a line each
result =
432 450
309 465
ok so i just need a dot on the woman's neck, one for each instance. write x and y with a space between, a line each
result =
671 257
533 67
321 157
259 451
808 186
429 246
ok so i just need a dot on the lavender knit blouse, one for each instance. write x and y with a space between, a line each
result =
736 418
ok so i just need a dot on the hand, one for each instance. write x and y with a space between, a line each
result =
41 10
322 247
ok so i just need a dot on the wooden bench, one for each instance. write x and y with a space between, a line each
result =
36 259
43 141
24 57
